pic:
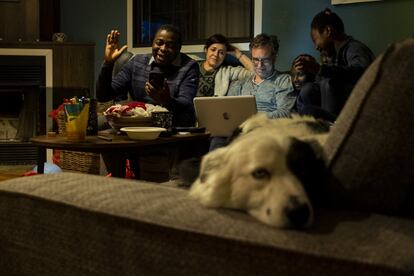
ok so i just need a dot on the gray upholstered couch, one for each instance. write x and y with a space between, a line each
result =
73 224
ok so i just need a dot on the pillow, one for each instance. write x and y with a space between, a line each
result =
370 150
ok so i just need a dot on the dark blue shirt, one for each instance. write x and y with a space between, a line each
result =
182 81
350 62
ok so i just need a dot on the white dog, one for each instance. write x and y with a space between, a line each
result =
269 170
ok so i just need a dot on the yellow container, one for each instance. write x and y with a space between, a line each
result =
76 124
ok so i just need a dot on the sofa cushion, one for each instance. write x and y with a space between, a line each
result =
370 150
76 224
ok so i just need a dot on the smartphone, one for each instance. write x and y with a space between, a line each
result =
156 79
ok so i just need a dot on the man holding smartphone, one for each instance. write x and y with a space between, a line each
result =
166 77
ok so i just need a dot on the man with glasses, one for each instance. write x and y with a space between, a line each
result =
273 90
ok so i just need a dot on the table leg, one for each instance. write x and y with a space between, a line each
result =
115 163
41 159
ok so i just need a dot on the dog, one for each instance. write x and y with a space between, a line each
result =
272 169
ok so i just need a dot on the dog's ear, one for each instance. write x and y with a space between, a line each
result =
319 126
255 121
310 169
236 133
212 187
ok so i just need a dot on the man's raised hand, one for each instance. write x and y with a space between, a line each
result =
112 51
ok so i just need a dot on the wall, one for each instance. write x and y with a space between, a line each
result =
377 24
91 20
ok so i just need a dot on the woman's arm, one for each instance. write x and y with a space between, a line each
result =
244 60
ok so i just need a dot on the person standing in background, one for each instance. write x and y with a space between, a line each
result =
336 79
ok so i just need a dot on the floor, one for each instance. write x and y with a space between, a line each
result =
13 171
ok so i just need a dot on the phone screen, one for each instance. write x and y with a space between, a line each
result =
156 79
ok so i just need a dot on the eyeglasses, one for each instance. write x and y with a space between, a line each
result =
265 61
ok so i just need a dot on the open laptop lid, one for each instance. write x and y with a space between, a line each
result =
222 115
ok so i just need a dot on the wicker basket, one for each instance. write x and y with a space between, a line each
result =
60 120
85 162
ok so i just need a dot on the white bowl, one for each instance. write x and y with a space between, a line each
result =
143 133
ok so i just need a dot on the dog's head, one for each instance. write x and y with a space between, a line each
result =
266 173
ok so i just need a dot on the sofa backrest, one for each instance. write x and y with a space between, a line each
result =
370 150
121 60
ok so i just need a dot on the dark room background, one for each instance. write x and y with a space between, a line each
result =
375 23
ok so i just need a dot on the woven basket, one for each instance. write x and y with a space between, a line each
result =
85 162
60 119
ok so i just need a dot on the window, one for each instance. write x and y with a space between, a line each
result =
197 20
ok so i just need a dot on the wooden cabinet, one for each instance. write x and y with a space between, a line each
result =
29 20
73 63
19 20
72 74
73 70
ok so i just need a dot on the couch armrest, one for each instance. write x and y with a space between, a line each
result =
370 149
76 224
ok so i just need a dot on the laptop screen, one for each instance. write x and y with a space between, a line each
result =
222 115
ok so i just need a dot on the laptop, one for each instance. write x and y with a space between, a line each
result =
222 115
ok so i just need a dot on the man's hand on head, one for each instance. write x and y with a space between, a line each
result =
307 64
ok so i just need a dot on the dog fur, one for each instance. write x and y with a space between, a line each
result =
271 169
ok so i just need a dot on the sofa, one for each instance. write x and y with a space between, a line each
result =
77 224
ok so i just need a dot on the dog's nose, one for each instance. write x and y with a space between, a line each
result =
298 213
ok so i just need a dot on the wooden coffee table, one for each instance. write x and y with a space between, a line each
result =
117 149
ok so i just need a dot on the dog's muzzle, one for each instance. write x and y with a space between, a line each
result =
299 214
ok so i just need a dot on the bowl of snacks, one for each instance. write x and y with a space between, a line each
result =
143 133
133 114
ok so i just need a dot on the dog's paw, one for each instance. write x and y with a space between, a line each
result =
212 185
188 171
256 121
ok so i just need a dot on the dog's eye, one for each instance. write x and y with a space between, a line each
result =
261 173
